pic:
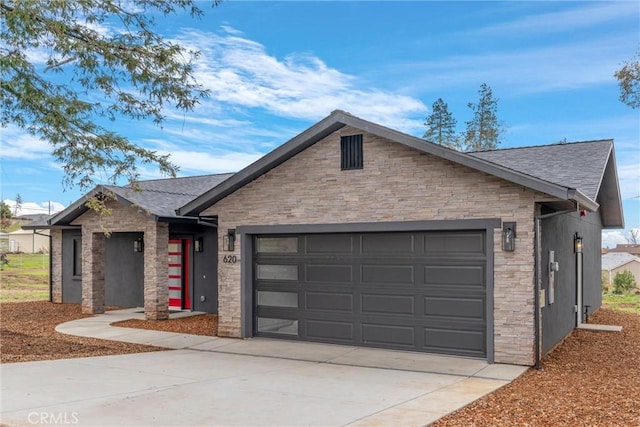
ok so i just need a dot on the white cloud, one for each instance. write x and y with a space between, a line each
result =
241 74
560 21
18 144
611 238
29 208
213 163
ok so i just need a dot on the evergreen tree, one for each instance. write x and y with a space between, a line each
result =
68 65
441 126
483 130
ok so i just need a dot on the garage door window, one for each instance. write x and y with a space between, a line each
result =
277 272
278 326
277 245
278 299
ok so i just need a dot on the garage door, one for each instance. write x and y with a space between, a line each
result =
419 291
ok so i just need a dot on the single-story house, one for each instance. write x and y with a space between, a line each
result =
617 262
29 241
629 248
354 233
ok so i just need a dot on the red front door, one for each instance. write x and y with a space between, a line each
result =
179 274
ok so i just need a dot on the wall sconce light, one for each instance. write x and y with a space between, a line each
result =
138 245
509 236
229 240
577 244
199 244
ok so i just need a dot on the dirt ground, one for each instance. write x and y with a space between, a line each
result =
203 324
591 379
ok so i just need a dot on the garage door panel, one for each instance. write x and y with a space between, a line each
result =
388 335
453 340
328 301
387 274
326 273
329 243
388 304
390 290
454 275
332 330
454 243
399 243
469 308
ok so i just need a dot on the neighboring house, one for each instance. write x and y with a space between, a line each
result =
29 241
617 262
632 249
354 233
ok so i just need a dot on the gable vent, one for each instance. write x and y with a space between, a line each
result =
351 152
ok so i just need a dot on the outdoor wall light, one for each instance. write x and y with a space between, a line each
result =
138 245
199 244
509 236
577 244
229 240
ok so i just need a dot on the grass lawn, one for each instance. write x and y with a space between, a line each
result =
25 278
627 302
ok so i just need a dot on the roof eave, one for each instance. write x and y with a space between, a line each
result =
339 119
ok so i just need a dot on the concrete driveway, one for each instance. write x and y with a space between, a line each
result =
255 382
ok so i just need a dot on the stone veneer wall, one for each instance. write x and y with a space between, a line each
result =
397 183
156 270
56 265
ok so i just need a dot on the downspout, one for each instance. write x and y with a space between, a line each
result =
538 281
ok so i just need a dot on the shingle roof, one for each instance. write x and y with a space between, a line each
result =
581 174
614 260
162 197
562 164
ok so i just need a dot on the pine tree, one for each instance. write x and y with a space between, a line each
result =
483 131
441 126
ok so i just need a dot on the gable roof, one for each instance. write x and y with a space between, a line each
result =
588 166
160 198
613 260
544 180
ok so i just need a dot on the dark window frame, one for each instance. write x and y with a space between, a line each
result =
351 152
77 257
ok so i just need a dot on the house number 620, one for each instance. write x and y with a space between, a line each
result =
229 259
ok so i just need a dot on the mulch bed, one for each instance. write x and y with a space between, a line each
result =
591 379
202 324
27 333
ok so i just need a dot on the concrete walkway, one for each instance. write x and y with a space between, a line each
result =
224 381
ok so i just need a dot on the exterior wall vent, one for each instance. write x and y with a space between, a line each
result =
351 152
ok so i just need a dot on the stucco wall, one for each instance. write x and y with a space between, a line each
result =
396 184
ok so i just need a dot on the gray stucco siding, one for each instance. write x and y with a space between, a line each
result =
557 234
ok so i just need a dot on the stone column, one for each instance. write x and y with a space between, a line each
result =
156 271
55 255
93 245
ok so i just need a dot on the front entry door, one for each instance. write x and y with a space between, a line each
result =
179 297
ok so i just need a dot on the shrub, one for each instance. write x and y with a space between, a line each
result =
623 282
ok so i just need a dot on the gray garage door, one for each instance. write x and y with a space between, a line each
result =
420 291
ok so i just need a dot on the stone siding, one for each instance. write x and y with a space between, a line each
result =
124 219
56 266
397 183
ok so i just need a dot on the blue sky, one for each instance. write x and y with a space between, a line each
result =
275 68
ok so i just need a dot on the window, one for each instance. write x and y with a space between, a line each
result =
351 152
77 257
